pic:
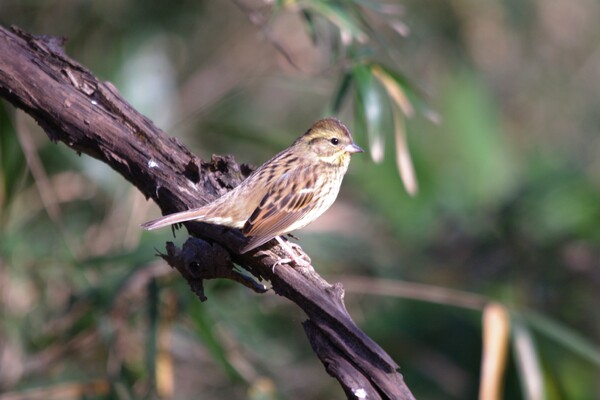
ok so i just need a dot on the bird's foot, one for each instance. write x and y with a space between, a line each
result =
295 253
281 261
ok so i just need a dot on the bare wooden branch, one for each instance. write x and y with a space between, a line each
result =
90 116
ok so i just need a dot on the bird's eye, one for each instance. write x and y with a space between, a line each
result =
335 141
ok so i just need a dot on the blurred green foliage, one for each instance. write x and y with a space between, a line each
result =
505 151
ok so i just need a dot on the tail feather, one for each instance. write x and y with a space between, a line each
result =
211 213
183 216
219 212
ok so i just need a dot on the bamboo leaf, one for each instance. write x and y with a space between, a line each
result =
403 159
310 25
371 102
414 96
565 336
339 16
401 105
341 92
528 363
394 90
382 8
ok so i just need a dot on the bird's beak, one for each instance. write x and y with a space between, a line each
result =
353 148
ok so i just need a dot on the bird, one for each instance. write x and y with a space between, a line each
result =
284 194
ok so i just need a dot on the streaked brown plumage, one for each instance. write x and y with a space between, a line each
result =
284 194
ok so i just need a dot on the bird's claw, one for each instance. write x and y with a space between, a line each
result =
281 261
302 261
294 252
291 249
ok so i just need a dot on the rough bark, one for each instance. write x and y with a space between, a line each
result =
90 116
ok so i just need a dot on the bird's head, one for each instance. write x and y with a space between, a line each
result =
330 141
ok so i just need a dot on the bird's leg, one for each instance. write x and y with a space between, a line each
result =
289 247
304 258
280 261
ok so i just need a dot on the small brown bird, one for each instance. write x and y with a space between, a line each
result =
284 194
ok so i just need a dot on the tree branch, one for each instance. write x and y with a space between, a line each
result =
91 117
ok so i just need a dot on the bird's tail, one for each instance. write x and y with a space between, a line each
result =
183 216
212 213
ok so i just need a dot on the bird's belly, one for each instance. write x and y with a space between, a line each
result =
326 199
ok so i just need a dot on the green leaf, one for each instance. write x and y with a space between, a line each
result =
383 8
395 91
374 108
310 25
360 119
339 16
565 336
415 96
341 92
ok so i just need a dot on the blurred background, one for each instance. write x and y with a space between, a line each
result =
481 184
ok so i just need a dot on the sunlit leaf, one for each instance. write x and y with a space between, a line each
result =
403 158
340 17
410 96
401 104
374 109
528 363
394 89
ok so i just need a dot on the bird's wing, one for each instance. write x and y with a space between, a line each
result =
289 199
